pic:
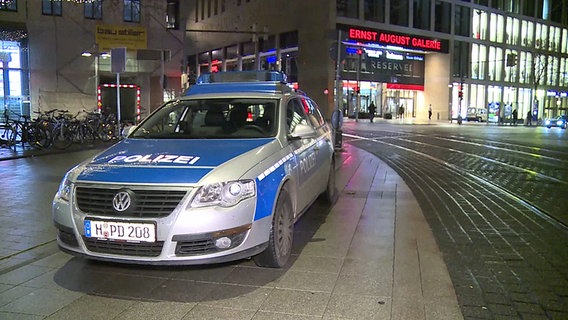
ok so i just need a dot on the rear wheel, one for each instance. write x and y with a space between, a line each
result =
279 249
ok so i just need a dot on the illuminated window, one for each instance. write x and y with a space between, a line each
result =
479 25
493 26
500 28
172 14
527 32
9 5
564 46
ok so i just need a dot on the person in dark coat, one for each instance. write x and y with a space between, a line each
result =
372 110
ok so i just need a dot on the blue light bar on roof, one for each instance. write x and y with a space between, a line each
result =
243 76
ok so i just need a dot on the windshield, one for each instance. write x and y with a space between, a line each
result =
211 119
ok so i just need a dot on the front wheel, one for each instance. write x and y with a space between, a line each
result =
329 194
279 249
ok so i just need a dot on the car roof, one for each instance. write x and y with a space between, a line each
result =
269 82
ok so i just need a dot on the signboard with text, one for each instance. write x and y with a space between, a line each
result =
130 37
388 38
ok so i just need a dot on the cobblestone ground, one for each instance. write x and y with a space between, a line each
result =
506 259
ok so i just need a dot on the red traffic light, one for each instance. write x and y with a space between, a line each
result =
460 94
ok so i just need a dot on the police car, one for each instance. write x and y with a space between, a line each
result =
220 174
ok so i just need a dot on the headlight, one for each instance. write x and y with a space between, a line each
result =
64 190
559 123
224 194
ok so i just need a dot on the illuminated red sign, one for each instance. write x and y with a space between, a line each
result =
403 40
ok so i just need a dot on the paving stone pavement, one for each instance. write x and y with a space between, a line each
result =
370 256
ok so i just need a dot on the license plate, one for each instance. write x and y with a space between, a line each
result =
119 230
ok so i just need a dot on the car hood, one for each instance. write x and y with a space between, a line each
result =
158 161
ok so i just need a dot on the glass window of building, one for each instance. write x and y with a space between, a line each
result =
552 71
525 33
493 94
541 36
563 76
564 41
492 62
525 61
94 9
511 67
9 5
131 10
479 25
399 12
462 21
347 8
555 36
475 61
442 16
461 58
51 7
529 8
516 28
374 10
509 31
497 28
500 28
14 80
421 14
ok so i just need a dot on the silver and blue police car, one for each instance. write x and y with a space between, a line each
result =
220 174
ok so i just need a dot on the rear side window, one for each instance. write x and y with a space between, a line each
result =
313 112
295 114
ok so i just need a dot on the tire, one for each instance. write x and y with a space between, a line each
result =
6 136
279 249
105 132
38 137
329 194
62 138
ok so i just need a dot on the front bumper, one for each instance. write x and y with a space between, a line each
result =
184 237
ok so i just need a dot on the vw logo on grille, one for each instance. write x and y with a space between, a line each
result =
121 201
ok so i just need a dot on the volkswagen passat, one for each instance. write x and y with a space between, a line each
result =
220 174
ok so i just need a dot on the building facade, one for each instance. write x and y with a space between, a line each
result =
57 55
402 55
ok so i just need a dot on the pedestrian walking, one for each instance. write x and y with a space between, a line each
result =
372 110
430 112
529 118
515 117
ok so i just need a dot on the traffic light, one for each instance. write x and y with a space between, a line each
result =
357 90
460 94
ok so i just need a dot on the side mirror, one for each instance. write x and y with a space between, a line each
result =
303 131
127 130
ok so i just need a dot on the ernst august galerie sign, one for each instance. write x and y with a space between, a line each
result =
132 38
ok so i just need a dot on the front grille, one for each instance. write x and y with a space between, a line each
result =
196 247
147 204
135 249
